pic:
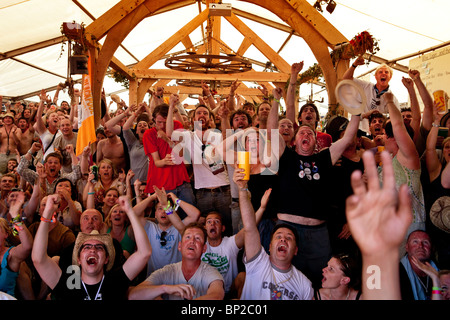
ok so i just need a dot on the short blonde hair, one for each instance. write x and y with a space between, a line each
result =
384 65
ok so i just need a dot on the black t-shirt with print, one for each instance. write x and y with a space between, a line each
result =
114 287
304 184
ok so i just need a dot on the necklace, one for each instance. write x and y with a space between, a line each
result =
276 294
346 298
421 282
8 151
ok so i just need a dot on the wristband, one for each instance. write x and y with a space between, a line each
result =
169 211
436 292
18 226
275 99
47 220
435 125
91 193
178 204
167 208
436 288
244 189
16 219
353 65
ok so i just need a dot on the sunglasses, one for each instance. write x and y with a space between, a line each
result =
163 240
98 247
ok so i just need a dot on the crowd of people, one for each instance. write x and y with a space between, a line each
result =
160 206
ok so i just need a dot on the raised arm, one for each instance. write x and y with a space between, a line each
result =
378 217
33 203
291 94
427 100
337 148
407 154
207 93
240 236
252 241
22 251
415 109
231 102
39 126
112 124
138 260
432 161
47 268
348 75
173 101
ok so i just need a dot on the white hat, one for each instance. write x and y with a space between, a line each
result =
351 96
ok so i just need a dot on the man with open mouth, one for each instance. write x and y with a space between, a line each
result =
304 175
92 260
373 92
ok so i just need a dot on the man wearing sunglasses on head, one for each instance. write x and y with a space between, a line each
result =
164 234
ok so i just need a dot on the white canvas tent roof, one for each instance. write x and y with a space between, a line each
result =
30 41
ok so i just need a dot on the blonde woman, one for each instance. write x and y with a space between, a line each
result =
118 225
106 179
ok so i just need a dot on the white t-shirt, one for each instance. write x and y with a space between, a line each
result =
172 275
46 139
224 259
162 255
265 282
373 101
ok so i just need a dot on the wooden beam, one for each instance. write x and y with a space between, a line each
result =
262 46
220 91
100 27
331 35
154 56
244 76
264 21
245 44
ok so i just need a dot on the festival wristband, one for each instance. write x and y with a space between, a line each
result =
18 226
436 292
178 204
169 211
48 220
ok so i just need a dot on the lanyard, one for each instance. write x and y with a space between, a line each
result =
97 296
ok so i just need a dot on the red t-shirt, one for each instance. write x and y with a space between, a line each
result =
168 177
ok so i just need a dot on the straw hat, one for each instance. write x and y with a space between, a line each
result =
115 98
440 213
444 119
8 114
94 235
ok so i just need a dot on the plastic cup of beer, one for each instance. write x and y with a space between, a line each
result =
439 100
244 163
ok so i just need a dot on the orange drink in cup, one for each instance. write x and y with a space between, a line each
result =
244 163
439 100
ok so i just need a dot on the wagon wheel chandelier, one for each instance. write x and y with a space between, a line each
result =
213 84
189 61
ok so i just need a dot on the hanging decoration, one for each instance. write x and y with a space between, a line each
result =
360 44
